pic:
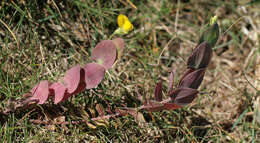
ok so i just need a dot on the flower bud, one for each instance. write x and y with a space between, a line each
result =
210 34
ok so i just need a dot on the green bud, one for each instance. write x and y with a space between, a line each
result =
210 33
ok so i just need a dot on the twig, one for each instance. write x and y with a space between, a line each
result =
249 82
12 33
177 17
108 116
165 47
233 24
131 4
55 5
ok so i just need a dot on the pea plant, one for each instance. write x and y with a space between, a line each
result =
186 89
78 78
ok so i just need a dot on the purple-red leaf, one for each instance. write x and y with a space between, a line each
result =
82 82
185 74
171 80
40 92
94 73
72 78
158 92
119 42
200 56
184 96
59 91
193 79
105 53
170 106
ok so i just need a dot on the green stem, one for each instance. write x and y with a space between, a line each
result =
111 36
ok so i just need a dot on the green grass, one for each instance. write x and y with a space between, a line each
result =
50 37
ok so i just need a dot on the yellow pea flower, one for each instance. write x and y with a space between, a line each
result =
213 20
124 25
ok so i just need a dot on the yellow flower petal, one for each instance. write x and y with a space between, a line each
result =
127 26
121 19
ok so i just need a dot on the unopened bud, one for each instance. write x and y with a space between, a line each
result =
210 33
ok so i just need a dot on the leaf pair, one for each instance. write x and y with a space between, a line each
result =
177 97
80 78
186 91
